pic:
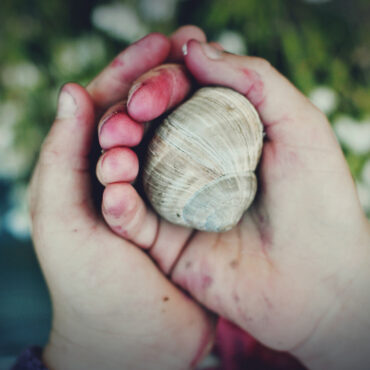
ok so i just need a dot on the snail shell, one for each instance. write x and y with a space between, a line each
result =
199 170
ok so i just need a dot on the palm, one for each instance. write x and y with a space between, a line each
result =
107 285
264 273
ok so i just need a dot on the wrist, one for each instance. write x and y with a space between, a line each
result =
62 352
341 339
74 345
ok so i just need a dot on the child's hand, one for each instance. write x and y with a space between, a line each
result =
112 307
295 272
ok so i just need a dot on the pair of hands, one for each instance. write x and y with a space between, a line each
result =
294 272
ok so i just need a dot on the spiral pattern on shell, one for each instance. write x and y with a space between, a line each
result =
200 164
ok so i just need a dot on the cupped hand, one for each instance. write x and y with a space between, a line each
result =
112 307
297 264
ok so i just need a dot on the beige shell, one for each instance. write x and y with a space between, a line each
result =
199 170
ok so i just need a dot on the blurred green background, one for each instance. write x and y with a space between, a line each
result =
322 46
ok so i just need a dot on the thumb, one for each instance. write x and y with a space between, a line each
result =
72 131
64 165
283 108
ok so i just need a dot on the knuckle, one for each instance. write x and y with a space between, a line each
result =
49 154
263 64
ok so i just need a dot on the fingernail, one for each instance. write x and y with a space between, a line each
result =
132 91
104 121
211 52
66 105
106 117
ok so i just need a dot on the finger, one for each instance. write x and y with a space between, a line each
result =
216 45
180 37
113 83
117 165
275 98
117 128
157 91
63 174
126 214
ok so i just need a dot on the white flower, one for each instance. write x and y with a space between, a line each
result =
6 138
352 134
232 42
16 219
74 56
119 21
14 163
10 113
17 223
23 75
157 10
325 98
